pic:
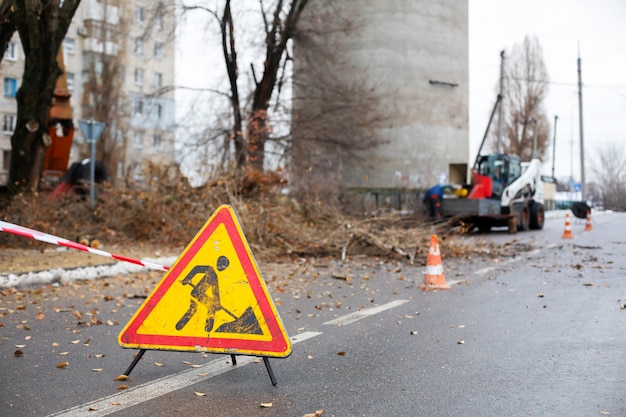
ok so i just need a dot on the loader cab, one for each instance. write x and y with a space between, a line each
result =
502 169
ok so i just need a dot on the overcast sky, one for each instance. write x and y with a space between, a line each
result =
599 26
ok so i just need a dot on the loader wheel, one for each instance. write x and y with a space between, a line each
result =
522 211
537 216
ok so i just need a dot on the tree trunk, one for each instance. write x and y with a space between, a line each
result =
41 30
259 131
30 139
230 58
277 34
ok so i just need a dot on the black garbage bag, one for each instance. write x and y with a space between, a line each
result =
580 209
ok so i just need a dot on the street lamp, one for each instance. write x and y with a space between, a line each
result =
91 131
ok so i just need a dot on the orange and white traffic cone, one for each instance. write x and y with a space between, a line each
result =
434 278
567 234
588 225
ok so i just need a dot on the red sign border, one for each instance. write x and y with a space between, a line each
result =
279 345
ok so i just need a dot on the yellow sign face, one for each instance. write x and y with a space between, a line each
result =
213 299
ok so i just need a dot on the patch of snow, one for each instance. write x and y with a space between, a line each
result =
62 276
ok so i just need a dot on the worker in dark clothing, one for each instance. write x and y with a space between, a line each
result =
433 197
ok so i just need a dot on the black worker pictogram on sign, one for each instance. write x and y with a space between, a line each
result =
213 299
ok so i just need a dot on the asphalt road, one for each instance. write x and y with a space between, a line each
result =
540 334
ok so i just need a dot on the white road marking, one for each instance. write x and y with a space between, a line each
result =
527 256
165 385
484 270
162 386
361 314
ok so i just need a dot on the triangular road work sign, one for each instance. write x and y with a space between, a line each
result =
213 299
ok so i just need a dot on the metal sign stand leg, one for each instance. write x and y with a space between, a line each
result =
266 361
136 360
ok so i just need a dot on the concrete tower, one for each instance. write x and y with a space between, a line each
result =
403 66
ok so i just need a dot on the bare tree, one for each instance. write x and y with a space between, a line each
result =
42 25
610 172
7 25
526 89
279 24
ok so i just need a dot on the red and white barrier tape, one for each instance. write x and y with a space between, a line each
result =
44 237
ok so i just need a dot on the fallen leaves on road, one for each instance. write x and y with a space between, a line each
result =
62 365
121 378
266 405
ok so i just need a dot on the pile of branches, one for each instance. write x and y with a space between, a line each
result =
171 212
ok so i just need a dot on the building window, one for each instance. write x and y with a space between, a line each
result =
158 80
137 173
10 121
6 160
139 46
10 87
158 50
158 21
120 169
139 14
138 106
156 140
70 80
139 76
137 139
158 110
69 46
11 52
121 104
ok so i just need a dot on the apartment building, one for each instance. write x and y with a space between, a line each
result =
119 59
11 70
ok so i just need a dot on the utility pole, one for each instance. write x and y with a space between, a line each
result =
580 121
534 150
554 144
536 122
499 142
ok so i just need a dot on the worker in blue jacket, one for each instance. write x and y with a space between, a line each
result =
433 197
